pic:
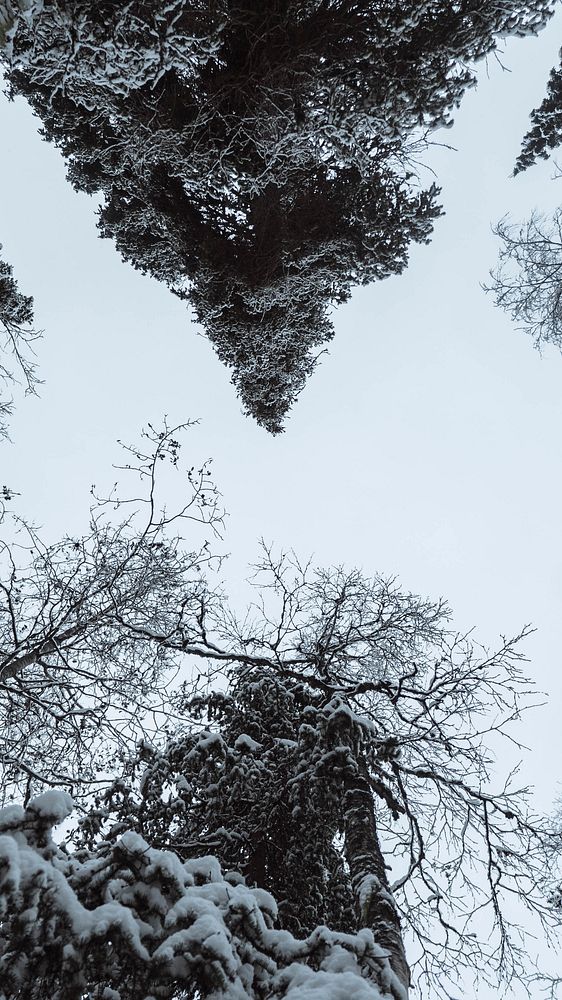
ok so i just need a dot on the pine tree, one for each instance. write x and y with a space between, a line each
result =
545 133
128 922
258 158
15 309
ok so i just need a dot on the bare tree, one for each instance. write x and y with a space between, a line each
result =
17 337
76 675
345 764
527 282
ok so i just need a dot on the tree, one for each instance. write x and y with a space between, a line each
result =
330 749
260 159
76 676
308 246
129 921
554 982
348 740
545 133
527 283
18 336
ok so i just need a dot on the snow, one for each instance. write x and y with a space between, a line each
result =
178 922
246 743
302 983
54 805
10 816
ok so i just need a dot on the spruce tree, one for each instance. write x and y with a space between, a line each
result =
259 158
545 133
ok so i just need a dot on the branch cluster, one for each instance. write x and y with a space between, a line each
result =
17 337
126 921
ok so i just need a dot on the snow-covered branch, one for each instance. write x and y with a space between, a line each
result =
126 921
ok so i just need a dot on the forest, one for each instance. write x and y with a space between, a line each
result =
312 785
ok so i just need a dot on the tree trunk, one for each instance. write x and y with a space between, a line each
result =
375 905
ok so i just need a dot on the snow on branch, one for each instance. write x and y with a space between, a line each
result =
128 921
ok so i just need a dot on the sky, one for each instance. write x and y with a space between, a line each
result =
427 445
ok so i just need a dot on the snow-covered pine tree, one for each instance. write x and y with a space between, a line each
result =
306 247
16 310
545 133
263 152
126 921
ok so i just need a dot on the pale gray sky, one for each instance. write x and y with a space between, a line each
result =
427 445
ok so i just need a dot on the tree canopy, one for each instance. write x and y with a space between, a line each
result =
527 283
316 768
261 159
128 921
77 677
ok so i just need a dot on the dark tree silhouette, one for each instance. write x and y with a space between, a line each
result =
76 679
545 133
259 158
16 339
527 283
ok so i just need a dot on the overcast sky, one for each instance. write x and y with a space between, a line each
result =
427 445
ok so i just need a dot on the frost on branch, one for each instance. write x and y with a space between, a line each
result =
329 750
344 768
11 13
16 336
129 922
527 282
260 159
82 667
545 133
